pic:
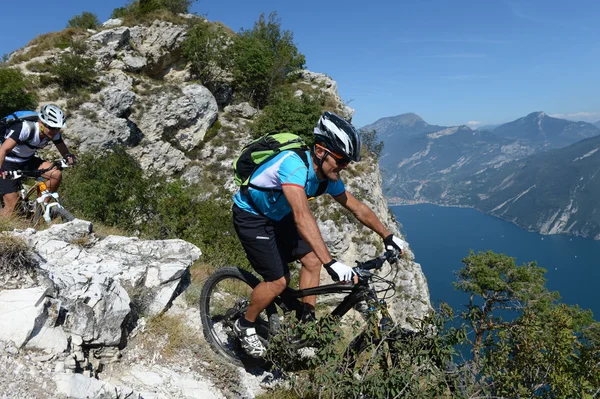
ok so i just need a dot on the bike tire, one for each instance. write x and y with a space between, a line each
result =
61 213
224 298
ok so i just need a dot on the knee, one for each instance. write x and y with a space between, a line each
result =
56 175
279 285
312 264
10 200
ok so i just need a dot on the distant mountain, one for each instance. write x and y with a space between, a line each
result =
488 128
552 192
458 165
395 131
597 124
541 129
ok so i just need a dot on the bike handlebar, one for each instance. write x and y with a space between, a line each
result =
390 256
17 174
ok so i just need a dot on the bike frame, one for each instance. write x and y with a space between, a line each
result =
42 192
288 300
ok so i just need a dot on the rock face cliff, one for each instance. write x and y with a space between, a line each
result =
81 306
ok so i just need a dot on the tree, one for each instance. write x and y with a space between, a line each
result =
264 58
86 20
13 92
526 344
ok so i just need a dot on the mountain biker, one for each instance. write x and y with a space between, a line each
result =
19 149
276 226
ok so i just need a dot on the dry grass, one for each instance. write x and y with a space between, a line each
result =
199 272
16 260
13 222
103 231
49 41
170 335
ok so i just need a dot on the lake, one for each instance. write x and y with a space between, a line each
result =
441 237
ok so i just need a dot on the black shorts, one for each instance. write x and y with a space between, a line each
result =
8 186
270 245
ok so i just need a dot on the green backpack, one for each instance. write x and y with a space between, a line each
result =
263 149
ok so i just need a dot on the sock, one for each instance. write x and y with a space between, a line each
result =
245 323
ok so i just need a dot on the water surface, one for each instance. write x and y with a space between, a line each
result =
441 237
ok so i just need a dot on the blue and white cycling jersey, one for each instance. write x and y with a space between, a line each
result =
285 169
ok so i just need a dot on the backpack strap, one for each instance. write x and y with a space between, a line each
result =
29 138
322 185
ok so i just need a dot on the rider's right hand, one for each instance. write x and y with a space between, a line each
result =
338 271
3 174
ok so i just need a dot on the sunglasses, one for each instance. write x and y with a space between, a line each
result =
340 161
54 129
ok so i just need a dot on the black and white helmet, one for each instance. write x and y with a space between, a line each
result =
52 116
339 135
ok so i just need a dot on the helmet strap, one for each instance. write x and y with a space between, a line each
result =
320 162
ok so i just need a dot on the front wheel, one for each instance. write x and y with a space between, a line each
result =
62 213
225 298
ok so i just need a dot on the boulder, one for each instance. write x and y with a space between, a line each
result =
20 311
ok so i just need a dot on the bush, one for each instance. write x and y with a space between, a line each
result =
264 58
183 211
74 71
143 10
370 143
208 54
111 188
108 188
86 20
289 113
13 92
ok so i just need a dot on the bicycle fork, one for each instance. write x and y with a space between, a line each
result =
43 194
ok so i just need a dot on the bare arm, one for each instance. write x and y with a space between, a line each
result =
306 223
62 148
363 213
7 147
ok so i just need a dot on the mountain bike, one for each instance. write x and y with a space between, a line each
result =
37 202
225 297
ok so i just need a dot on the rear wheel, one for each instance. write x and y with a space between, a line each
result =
224 298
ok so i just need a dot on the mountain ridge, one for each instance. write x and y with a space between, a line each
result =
459 166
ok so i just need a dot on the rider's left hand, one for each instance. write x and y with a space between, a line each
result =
392 242
71 159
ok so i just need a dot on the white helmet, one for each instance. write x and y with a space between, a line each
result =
339 136
52 116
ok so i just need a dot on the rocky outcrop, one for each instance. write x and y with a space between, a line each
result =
89 287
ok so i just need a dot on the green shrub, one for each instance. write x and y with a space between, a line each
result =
40 67
86 20
138 11
370 143
13 92
264 58
186 212
108 188
289 113
119 12
74 71
207 52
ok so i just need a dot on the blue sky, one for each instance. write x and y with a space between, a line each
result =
451 62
